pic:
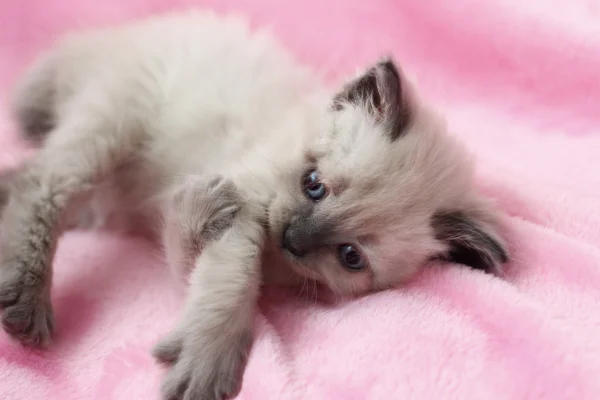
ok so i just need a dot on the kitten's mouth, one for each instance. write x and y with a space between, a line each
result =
296 264
300 269
290 255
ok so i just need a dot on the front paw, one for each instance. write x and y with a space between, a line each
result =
204 369
28 315
207 206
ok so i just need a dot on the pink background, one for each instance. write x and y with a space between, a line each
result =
519 83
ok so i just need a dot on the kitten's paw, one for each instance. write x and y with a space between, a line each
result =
207 206
224 209
208 370
28 315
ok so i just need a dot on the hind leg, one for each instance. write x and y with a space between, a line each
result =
78 154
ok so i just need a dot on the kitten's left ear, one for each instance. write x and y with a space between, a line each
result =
384 93
472 238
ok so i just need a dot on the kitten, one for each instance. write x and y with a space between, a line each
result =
254 169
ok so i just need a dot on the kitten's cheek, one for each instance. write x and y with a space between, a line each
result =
277 217
275 220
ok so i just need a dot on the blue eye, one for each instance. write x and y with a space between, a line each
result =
351 258
313 188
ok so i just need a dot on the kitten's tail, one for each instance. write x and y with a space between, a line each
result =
34 100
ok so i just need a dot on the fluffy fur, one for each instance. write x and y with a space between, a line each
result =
191 128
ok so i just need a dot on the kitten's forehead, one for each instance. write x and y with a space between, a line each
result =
355 142
377 182
360 151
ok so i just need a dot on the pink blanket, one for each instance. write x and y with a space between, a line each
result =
519 81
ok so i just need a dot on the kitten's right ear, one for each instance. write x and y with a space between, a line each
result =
471 238
384 93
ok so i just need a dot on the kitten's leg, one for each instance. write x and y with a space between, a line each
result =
78 154
198 211
211 344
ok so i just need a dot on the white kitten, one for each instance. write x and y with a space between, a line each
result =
190 128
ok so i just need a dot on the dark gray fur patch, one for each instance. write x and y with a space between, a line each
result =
227 203
35 123
468 243
307 232
380 89
360 91
221 202
5 186
34 105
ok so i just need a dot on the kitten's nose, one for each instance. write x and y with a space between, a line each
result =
291 242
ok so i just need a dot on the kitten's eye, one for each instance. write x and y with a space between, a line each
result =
351 258
313 188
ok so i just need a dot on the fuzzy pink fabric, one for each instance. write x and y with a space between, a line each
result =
519 82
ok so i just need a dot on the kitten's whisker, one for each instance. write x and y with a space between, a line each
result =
307 294
316 297
301 289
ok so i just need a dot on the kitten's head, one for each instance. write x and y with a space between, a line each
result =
383 191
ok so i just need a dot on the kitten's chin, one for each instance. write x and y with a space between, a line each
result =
292 260
304 275
300 269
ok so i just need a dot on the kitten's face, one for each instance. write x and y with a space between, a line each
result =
383 191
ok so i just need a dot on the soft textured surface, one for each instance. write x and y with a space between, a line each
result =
518 81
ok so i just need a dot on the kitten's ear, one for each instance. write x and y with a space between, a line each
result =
384 92
472 239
